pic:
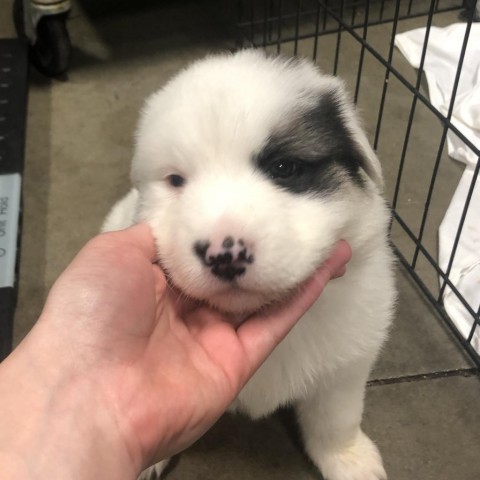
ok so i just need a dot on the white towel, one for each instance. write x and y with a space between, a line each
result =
440 67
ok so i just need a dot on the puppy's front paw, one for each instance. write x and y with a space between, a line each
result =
359 461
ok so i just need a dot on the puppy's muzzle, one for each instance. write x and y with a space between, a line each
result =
227 260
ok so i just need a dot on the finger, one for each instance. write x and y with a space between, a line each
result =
263 332
337 261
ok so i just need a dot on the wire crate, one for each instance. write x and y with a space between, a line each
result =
348 38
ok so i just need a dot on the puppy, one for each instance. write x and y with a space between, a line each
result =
249 169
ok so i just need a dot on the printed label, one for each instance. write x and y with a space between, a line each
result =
10 189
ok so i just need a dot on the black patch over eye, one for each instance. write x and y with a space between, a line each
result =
282 169
176 180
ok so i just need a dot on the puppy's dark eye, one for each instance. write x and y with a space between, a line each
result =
283 169
176 180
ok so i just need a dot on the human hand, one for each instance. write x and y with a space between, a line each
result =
127 365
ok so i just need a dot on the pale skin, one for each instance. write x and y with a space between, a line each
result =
119 373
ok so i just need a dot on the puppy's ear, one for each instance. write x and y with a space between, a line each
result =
369 161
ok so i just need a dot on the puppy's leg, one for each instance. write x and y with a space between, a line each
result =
330 420
154 472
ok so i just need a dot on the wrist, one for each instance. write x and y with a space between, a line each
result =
55 421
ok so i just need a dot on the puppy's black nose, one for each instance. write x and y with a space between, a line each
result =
227 260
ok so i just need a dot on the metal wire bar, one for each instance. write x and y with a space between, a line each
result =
239 40
362 52
270 25
413 107
324 16
419 377
297 26
252 18
279 26
265 23
382 9
476 323
409 9
317 26
339 39
387 75
354 13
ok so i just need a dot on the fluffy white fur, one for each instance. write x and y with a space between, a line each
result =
206 125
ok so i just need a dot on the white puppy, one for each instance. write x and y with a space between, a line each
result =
249 169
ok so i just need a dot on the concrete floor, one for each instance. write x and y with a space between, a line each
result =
79 145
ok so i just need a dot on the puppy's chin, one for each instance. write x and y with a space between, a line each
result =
240 302
233 299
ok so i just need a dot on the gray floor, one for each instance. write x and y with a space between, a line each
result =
79 145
